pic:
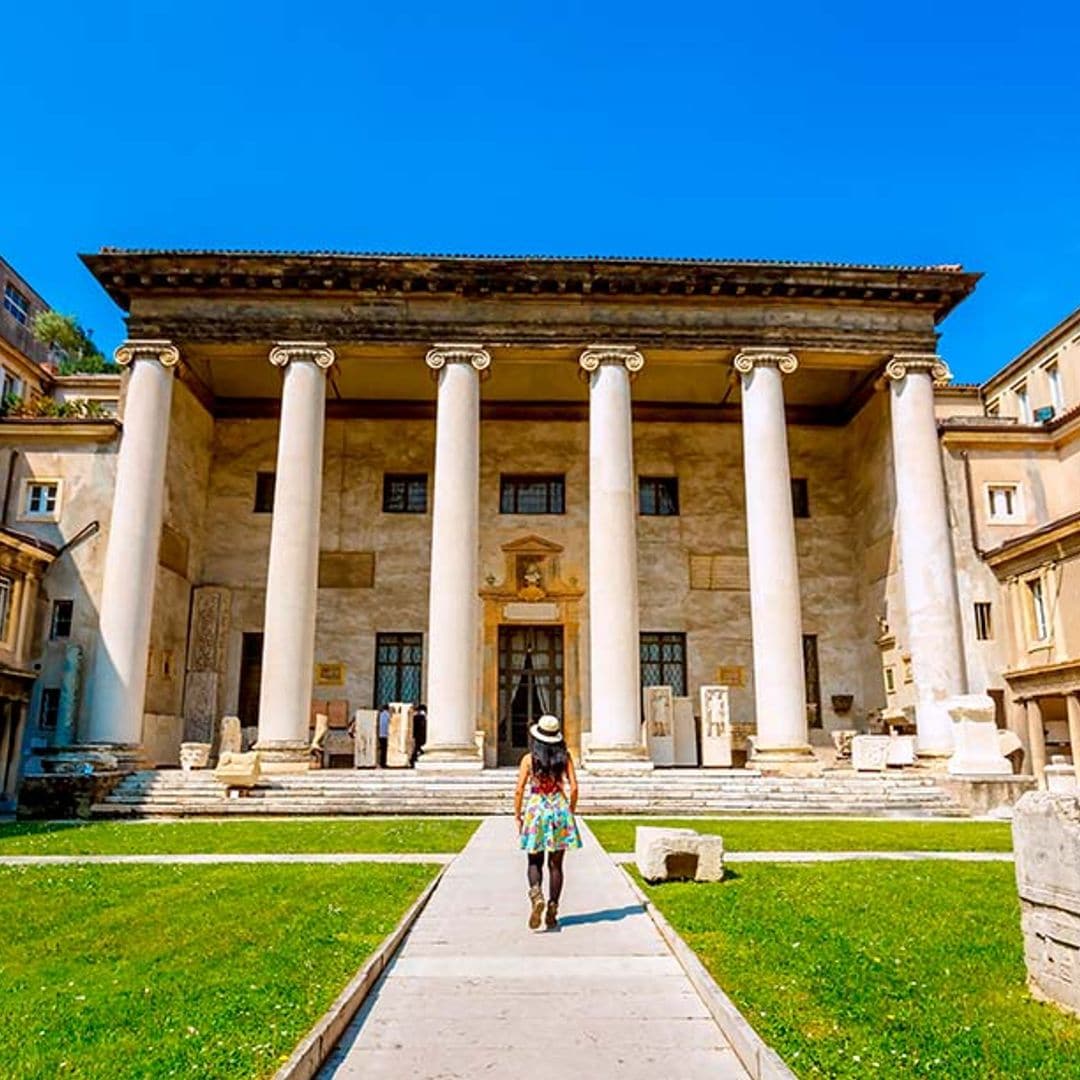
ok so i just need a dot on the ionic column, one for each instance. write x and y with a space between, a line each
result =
775 607
292 577
931 601
453 612
614 640
118 677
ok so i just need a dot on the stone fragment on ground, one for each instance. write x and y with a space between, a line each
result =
665 854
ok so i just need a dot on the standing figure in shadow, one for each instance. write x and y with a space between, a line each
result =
544 806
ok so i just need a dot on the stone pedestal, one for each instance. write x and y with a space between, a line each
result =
659 712
1060 777
454 613
775 612
870 753
1046 839
292 576
400 745
365 741
614 644
977 748
716 734
684 732
930 596
118 675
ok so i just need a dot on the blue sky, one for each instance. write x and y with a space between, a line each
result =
915 133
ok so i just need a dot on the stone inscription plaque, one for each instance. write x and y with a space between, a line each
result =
727 573
526 612
346 569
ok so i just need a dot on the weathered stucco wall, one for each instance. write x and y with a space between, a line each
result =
707 458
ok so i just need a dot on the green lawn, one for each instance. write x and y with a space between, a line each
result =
802 834
181 971
232 837
871 970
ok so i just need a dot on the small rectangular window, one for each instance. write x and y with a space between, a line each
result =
1023 403
890 680
800 496
1040 624
264 492
984 630
16 304
7 586
541 494
658 496
404 493
1053 378
62 612
50 708
1004 501
41 498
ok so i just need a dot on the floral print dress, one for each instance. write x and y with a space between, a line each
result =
548 824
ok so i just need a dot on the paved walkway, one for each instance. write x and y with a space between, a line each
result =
849 856
474 993
259 857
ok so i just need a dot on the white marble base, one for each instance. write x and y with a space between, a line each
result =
870 753
977 748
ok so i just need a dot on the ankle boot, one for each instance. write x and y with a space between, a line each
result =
551 916
536 898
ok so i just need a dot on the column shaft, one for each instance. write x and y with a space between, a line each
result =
117 687
1072 706
1036 740
453 612
930 594
292 577
775 605
614 638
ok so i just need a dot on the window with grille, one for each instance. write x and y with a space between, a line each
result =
62 611
658 496
398 665
663 661
16 304
50 708
265 483
404 493
800 497
983 626
532 494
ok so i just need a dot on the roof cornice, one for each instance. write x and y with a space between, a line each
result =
129 274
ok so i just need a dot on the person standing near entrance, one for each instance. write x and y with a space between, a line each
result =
544 806
419 732
384 734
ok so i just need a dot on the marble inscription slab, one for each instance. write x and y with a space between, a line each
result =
365 742
526 612
685 734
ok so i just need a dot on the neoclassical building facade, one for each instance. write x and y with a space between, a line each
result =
351 479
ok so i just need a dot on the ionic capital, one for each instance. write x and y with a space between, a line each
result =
904 364
627 355
748 359
439 355
318 352
164 352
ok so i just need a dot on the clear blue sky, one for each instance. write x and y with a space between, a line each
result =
896 133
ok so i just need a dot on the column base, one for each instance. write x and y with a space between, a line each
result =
618 760
785 761
283 755
455 759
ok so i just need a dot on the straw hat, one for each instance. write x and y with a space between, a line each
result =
547 729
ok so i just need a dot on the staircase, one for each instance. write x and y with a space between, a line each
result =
172 793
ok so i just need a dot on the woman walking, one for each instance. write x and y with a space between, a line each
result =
545 815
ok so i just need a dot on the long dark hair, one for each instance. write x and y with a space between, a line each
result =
548 758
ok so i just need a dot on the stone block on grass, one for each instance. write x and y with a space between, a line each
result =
678 855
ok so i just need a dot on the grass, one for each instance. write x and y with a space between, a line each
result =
860 970
801 834
181 971
389 835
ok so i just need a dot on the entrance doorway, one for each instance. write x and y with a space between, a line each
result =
530 684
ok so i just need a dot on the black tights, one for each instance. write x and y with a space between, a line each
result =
555 872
